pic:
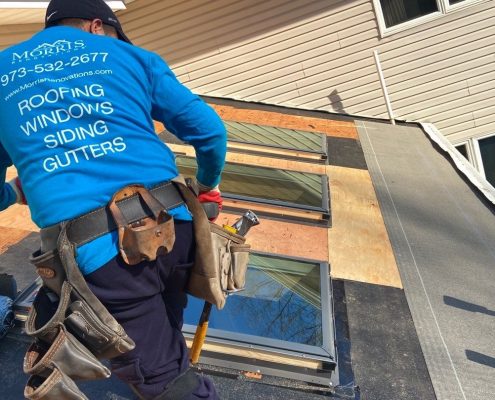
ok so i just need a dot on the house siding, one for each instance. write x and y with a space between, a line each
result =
13 34
318 55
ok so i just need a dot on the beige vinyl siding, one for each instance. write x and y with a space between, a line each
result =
13 34
318 54
13 16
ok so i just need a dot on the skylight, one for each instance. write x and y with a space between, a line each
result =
285 309
300 191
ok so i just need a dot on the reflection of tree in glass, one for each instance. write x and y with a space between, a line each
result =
278 312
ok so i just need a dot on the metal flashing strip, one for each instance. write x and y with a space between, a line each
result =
321 377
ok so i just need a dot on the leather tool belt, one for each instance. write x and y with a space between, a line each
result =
97 223
71 329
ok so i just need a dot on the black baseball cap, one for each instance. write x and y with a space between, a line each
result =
84 9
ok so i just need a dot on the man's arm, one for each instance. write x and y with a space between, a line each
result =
10 192
191 120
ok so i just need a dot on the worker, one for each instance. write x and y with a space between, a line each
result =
77 105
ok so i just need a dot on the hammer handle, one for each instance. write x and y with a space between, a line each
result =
200 335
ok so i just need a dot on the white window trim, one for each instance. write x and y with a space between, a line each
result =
474 151
443 6
469 150
477 156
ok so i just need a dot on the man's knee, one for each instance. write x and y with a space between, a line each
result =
187 386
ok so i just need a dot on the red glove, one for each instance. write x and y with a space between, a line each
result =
17 186
211 196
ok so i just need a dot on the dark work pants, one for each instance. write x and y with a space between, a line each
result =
148 300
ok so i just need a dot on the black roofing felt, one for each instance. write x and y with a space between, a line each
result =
387 360
345 152
442 234
374 330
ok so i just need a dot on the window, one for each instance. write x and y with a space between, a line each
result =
289 143
396 12
285 309
487 150
481 153
463 150
396 15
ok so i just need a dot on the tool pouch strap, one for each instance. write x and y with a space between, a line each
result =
99 322
221 256
78 308
56 386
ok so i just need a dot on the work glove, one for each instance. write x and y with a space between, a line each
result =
17 187
210 195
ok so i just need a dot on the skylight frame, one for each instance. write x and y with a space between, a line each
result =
326 353
324 208
321 152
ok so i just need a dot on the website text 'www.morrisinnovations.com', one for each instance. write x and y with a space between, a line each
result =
59 80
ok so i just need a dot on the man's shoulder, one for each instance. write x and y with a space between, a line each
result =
7 55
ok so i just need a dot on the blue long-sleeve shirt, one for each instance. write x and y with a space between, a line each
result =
76 119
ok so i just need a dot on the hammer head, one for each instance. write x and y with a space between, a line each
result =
244 224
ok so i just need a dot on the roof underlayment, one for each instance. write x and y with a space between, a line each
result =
442 232
403 220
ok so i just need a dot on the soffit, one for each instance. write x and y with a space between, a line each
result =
33 12
12 16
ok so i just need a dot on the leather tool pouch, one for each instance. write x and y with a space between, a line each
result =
57 386
75 306
146 238
221 257
231 255
70 327
68 353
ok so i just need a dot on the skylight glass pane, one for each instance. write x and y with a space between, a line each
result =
282 301
298 188
273 136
